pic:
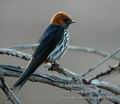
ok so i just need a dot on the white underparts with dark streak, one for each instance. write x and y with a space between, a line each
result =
60 49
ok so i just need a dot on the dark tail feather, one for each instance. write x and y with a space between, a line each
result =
20 82
31 67
23 78
46 46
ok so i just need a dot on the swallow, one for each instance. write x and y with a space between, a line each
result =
52 46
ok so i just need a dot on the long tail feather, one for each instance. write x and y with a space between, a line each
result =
31 67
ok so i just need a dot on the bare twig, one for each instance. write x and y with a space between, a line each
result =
112 98
71 80
8 92
90 93
14 52
101 62
67 83
107 72
71 48
107 86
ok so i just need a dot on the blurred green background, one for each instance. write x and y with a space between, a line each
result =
97 26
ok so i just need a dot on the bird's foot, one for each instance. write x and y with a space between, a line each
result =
55 66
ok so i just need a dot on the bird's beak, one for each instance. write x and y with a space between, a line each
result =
70 22
73 22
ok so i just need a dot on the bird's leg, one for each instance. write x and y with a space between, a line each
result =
55 66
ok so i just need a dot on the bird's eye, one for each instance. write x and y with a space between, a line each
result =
65 19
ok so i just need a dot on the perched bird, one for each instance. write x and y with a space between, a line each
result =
52 45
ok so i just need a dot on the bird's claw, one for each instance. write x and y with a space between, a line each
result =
55 66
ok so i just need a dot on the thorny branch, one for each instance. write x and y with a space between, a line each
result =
67 83
101 62
15 53
70 48
109 72
89 89
8 92
107 86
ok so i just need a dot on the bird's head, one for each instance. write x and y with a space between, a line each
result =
61 18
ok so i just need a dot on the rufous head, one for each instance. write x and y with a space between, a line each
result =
61 18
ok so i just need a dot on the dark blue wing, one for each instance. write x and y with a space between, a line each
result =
48 42
50 29
51 37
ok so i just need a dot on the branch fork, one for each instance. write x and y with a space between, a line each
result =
89 89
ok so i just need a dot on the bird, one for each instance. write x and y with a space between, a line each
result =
52 45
